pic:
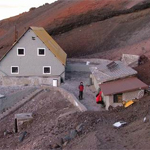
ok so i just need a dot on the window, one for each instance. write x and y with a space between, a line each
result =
41 51
33 38
47 70
21 51
118 98
14 70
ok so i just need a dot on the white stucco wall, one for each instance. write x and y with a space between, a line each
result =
31 64
95 82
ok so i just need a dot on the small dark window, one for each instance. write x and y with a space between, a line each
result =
21 51
15 70
33 38
118 98
47 70
41 52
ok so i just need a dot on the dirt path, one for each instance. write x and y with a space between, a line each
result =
71 84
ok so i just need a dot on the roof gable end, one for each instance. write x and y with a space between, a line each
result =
48 41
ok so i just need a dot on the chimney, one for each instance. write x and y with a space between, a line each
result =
16 34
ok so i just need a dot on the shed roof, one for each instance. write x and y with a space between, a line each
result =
122 86
102 73
48 41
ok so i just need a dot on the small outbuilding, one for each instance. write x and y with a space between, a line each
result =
34 59
122 90
118 83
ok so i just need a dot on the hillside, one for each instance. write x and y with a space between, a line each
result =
53 120
87 28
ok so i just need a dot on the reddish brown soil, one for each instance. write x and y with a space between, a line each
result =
144 72
89 27
98 132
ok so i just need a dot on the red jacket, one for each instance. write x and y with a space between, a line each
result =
81 87
99 97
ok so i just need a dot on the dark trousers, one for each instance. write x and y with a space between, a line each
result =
80 95
102 103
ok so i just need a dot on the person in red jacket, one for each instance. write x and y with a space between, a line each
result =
99 99
81 88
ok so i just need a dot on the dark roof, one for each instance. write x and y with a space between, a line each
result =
122 86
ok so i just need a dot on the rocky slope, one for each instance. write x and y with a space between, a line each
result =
86 27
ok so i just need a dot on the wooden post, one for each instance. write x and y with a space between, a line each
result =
16 127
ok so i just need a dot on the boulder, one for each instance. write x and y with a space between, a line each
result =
73 134
79 128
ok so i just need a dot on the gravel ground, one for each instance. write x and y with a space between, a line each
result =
71 84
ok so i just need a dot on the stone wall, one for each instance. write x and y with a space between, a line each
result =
21 81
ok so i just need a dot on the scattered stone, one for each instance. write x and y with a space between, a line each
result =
66 139
65 143
2 96
60 142
46 90
73 134
119 124
22 136
110 108
145 120
99 120
79 128
7 133
53 146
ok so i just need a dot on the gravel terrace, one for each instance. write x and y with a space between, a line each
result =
71 84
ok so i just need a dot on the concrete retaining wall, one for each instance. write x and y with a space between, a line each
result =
78 67
69 96
21 81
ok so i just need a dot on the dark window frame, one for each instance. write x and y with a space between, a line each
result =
44 67
116 98
20 54
12 70
40 54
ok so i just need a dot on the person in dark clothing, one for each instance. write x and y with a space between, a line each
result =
81 88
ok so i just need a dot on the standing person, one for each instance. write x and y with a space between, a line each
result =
81 88
99 99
